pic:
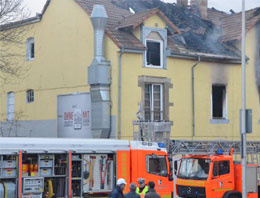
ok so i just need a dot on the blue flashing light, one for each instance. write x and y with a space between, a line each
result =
219 152
196 192
161 145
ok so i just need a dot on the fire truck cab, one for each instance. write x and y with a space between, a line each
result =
215 176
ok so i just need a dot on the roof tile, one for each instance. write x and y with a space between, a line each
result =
232 25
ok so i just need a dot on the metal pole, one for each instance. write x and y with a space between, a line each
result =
243 110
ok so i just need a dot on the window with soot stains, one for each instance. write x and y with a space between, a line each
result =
154 53
219 102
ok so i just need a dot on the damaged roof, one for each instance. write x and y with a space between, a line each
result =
121 38
191 34
232 25
198 36
215 16
135 20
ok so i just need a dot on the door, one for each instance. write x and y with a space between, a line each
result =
157 170
222 178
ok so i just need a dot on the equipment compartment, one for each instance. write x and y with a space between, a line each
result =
46 172
9 164
46 163
9 172
98 171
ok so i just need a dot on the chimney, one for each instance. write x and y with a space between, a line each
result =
99 77
99 21
182 3
200 7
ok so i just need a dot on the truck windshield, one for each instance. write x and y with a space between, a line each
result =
194 168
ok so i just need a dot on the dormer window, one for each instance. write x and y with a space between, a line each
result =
154 53
155 41
30 49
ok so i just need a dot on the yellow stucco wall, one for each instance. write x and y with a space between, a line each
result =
64 50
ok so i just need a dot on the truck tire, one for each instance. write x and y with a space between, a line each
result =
232 194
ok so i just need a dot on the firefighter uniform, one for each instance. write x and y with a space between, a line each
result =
144 191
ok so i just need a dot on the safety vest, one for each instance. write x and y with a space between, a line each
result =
143 192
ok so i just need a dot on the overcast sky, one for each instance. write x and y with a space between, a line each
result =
225 5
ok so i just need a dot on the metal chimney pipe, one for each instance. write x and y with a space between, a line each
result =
99 21
99 78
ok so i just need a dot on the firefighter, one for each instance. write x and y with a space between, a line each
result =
151 192
142 189
132 193
118 191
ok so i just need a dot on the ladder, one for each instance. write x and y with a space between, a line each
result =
200 147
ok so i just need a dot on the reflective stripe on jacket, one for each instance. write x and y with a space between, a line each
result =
143 192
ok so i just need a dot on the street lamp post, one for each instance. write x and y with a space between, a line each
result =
243 110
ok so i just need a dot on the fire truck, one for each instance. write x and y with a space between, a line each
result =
212 169
58 167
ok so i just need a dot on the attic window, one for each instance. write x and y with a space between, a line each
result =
219 102
154 53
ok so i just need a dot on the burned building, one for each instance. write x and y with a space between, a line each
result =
171 69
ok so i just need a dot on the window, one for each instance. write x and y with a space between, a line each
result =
194 168
221 168
10 106
30 49
154 53
219 102
30 96
156 165
153 102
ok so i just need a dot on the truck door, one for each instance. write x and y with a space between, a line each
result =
222 178
157 169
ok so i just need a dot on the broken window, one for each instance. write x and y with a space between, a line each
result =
30 49
154 53
153 105
218 101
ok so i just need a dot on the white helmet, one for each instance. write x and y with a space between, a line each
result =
120 181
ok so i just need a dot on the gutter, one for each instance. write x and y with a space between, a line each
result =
23 22
222 59
122 50
193 96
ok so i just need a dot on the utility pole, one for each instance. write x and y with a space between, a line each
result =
243 109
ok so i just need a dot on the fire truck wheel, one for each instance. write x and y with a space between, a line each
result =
232 194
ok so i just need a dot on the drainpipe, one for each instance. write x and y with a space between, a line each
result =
120 91
193 96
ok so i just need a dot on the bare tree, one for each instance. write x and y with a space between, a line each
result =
11 127
12 15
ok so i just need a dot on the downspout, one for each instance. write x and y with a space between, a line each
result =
193 96
120 91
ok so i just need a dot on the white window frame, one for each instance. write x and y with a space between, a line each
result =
10 106
225 103
161 54
152 100
29 96
29 43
